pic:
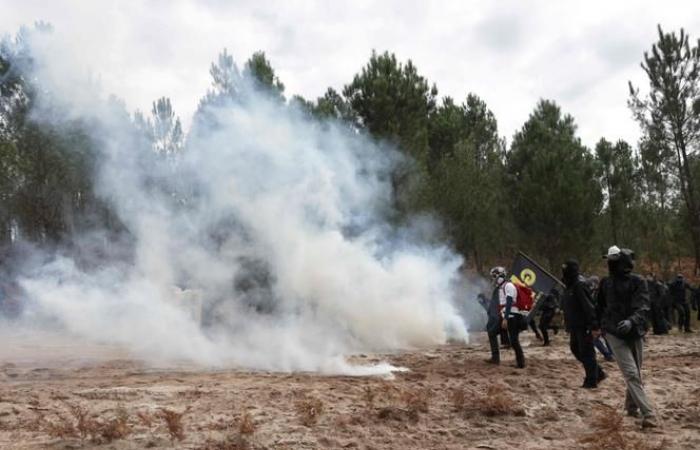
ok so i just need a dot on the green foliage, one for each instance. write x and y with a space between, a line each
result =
554 192
393 102
260 71
547 194
669 115
467 179
618 178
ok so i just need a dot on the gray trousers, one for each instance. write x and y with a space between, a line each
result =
628 355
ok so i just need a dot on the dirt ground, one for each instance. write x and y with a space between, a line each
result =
449 399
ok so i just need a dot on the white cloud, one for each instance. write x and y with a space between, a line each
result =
511 53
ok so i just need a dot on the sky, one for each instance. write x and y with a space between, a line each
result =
510 53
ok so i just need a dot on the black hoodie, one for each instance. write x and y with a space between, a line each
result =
577 304
623 295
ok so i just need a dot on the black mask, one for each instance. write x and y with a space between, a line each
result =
570 272
623 265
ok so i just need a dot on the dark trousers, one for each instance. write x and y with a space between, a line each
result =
516 324
533 327
546 324
493 334
581 344
683 312
658 319
505 341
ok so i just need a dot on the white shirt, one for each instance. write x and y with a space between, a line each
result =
508 289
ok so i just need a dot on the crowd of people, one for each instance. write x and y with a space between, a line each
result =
611 314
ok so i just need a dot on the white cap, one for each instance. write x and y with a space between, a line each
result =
613 253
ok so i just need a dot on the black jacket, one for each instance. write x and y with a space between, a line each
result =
493 312
676 290
657 290
620 298
578 308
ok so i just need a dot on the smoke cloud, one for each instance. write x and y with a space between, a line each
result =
267 243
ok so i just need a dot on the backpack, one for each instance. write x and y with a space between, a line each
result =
525 301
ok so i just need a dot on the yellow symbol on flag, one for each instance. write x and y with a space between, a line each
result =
528 277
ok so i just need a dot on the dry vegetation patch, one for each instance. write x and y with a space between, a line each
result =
309 410
173 423
497 401
607 432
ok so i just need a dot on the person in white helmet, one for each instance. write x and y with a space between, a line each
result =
622 310
511 318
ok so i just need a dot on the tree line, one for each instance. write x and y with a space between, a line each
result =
542 191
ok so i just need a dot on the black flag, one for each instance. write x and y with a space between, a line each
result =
528 272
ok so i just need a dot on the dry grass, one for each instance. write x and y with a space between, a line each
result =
115 428
309 410
416 401
246 426
61 428
458 398
396 414
79 424
145 418
608 433
237 442
173 423
369 396
496 402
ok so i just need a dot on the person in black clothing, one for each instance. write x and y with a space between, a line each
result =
656 297
533 326
550 304
622 310
695 298
493 324
580 319
677 289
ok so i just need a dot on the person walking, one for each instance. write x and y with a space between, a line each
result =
580 318
512 319
622 310
677 289
550 304
493 324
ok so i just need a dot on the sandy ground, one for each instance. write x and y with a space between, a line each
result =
63 396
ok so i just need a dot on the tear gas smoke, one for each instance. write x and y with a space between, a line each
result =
264 244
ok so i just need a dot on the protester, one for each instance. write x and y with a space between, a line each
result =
656 297
622 310
696 301
677 289
493 324
580 319
511 318
548 309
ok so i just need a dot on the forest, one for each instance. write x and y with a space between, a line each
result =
540 191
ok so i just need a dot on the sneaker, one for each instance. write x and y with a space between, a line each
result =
589 386
649 422
633 413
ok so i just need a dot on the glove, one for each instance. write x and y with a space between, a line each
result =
624 327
